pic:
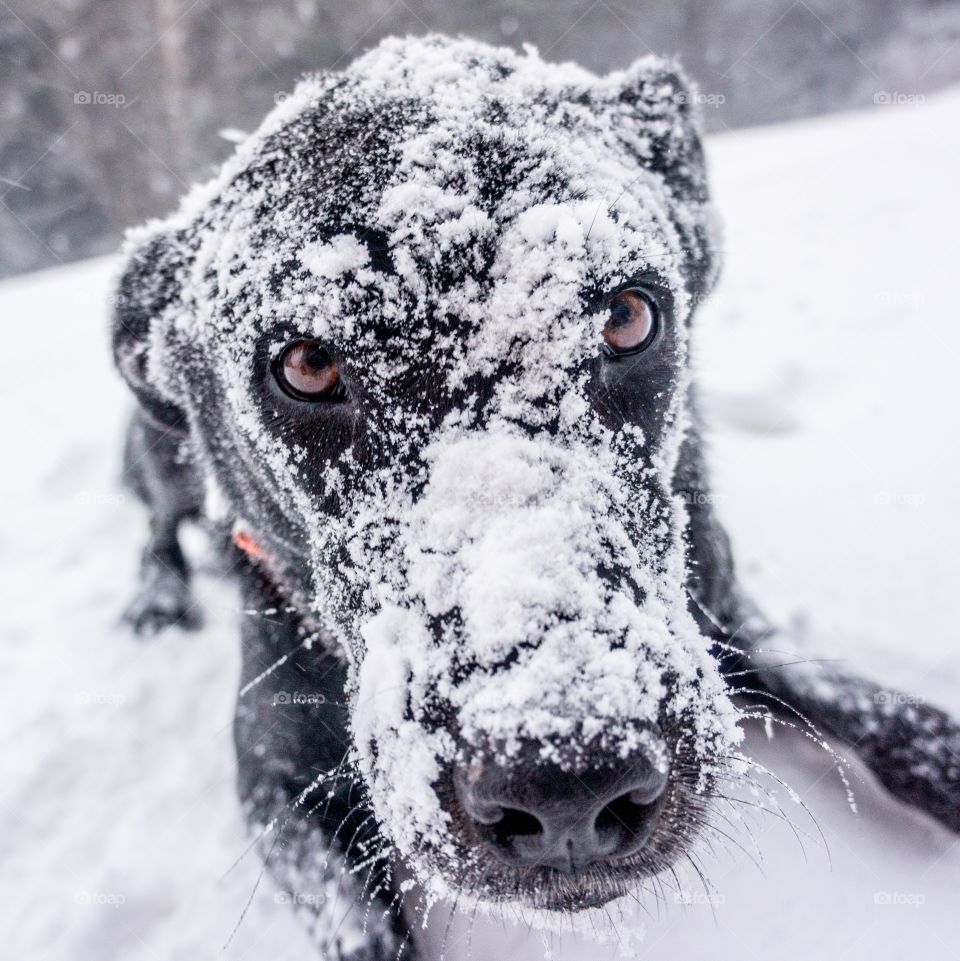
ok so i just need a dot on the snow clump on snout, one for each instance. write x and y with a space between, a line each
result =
505 550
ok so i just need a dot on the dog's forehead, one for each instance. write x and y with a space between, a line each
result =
450 202
439 145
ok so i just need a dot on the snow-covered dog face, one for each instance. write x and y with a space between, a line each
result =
429 332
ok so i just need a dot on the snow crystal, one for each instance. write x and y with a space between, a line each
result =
335 257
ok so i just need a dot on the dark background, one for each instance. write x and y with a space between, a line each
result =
110 109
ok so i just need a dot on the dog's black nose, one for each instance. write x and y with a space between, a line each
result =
537 813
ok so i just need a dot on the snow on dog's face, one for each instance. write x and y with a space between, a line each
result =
429 332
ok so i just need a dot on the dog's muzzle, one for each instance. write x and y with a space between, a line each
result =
509 700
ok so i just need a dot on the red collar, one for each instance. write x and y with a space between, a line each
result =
248 545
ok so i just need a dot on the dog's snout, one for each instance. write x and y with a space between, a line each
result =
541 814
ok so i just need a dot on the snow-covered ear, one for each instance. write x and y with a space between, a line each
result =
659 122
147 296
655 113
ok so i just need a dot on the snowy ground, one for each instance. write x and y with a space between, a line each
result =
829 358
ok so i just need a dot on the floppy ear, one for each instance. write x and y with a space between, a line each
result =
147 295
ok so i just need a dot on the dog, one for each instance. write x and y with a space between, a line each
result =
421 351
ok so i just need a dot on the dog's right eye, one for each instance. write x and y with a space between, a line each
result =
305 371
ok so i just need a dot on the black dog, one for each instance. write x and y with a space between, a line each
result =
421 349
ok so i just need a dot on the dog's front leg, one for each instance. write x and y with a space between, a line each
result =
911 747
160 472
301 795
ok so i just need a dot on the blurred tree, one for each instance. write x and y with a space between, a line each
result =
110 108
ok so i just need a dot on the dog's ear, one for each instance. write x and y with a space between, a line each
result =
657 119
654 110
147 296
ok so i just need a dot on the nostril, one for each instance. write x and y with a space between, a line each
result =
619 815
508 831
629 819
497 822
517 824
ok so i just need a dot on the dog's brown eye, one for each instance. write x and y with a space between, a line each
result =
631 323
305 371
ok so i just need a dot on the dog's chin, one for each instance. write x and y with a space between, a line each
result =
553 892
544 889
564 894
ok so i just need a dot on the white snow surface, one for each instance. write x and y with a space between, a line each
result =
828 360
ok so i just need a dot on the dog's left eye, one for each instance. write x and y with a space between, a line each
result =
305 371
631 323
